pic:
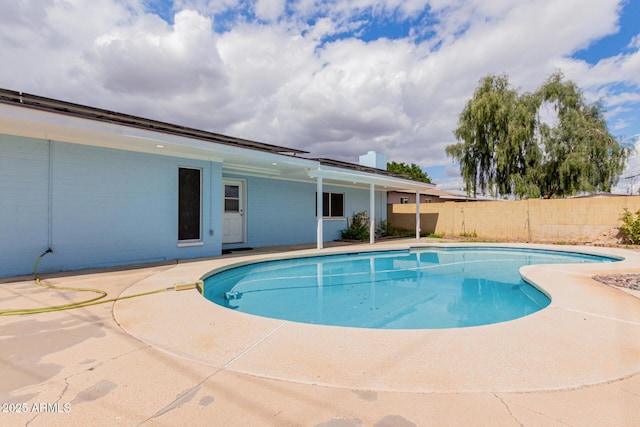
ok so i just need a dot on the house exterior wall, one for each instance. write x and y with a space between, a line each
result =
358 201
283 212
99 207
24 175
395 197
96 207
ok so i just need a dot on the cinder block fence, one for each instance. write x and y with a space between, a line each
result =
580 220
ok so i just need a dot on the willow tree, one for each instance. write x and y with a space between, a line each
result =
505 147
483 128
579 153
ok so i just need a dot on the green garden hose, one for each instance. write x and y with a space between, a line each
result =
86 303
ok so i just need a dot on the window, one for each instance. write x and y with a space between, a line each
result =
332 205
404 200
189 204
232 198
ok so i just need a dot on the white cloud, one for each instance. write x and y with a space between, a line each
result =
206 7
623 98
619 68
620 124
269 10
295 77
152 58
629 182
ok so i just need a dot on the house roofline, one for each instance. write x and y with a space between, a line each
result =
82 111
332 169
369 169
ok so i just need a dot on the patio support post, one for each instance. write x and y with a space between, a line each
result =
372 215
319 210
417 214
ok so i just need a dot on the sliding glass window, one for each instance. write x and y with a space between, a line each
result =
332 205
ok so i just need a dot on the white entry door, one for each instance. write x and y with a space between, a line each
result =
233 217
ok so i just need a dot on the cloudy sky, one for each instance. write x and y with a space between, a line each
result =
334 77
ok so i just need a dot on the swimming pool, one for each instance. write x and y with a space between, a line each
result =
419 288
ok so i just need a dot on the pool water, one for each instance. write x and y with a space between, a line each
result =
422 288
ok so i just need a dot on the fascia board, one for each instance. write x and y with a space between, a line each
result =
35 123
389 183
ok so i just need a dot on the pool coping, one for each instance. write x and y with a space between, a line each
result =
588 335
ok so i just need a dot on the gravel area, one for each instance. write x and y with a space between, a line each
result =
628 281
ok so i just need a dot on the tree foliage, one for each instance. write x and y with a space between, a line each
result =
413 170
507 144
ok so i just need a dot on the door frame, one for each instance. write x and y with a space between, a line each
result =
242 198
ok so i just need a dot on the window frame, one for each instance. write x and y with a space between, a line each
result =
189 241
329 207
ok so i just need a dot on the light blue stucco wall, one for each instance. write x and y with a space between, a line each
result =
24 175
283 212
100 207
96 207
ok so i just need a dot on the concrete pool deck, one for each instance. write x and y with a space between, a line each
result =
174 358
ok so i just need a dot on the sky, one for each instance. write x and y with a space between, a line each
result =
337 78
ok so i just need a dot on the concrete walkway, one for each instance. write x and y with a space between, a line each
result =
174 358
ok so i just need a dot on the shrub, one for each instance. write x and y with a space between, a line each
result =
630 228
359 227
386 229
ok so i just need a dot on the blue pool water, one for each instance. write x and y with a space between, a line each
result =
422 288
